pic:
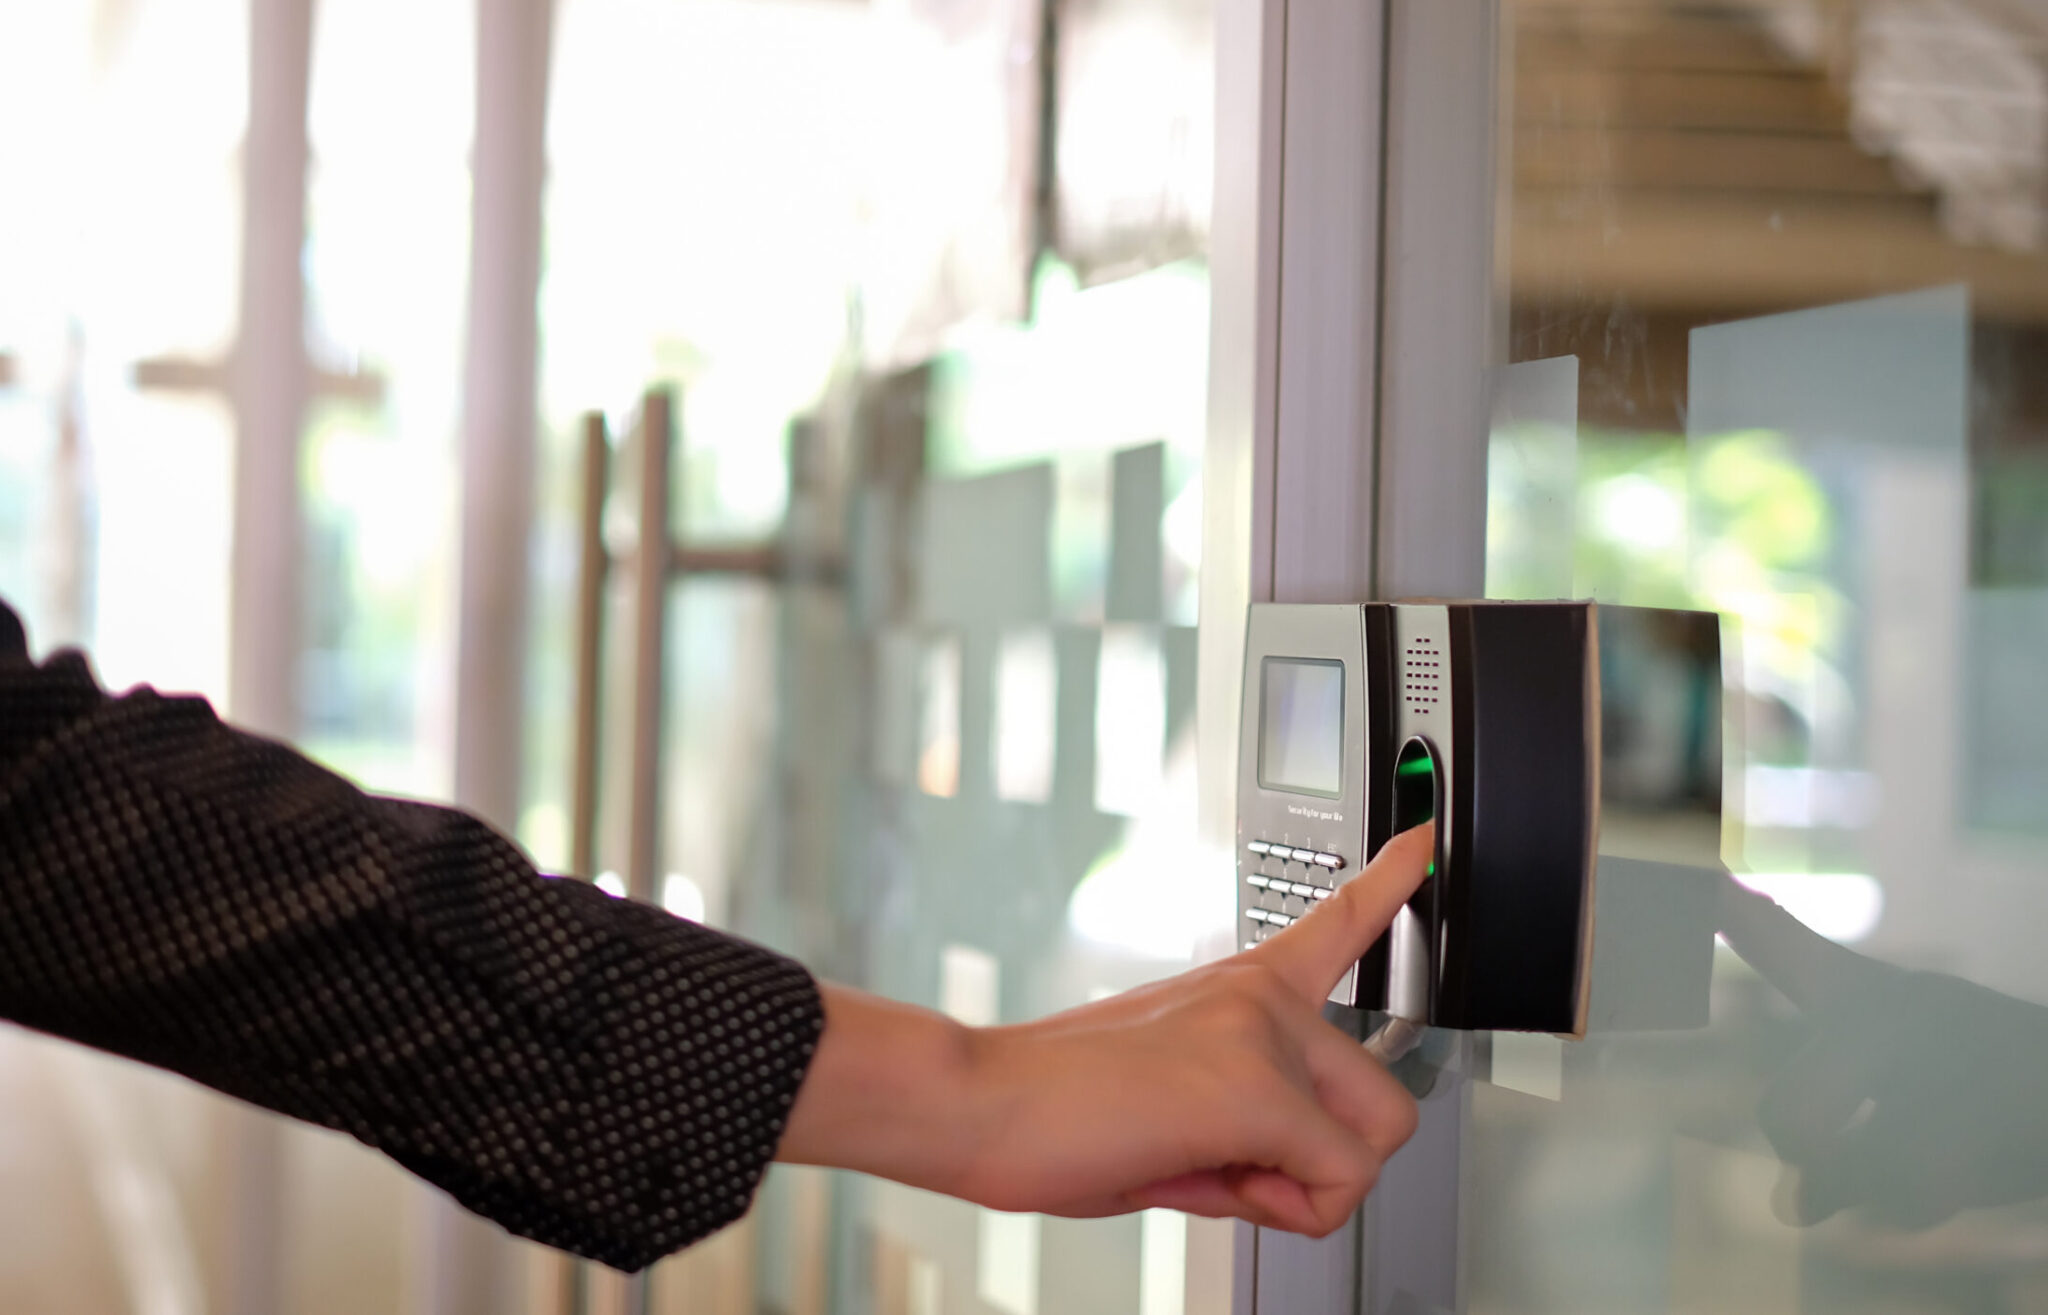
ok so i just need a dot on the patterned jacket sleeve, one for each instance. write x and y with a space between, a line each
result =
587 1072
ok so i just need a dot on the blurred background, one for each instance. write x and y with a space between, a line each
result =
307 311
302 309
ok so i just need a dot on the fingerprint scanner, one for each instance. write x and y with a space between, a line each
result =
1417 783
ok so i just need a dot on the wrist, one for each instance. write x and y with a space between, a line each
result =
890 1092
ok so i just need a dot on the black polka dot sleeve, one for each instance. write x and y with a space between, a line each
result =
587 1072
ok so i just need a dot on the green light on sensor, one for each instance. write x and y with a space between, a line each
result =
1415 787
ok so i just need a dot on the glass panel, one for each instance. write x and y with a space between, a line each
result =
941 744
1778 326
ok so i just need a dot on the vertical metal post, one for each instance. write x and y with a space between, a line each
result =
1441 310
1325 467
562 1284
650 596
651 555
1313 481
593 572
1441 338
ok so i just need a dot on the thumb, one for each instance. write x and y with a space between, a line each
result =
1313 955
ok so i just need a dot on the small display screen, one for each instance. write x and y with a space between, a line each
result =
1301 726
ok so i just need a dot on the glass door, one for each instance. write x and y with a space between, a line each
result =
1771 340
940 351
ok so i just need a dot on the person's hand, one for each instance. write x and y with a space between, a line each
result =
1219 1092
1918 1094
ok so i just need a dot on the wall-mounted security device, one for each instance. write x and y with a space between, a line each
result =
1363 720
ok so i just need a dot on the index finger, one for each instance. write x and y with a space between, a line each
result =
1313 955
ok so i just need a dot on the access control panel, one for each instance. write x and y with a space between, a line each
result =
1363 720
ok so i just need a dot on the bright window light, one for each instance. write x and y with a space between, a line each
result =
1130 721
938 753
1843 906
1026 693
682 897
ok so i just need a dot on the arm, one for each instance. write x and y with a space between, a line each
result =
588 1072
596 1074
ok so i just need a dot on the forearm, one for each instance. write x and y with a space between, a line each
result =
890 1091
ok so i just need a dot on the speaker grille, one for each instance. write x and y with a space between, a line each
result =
1422 674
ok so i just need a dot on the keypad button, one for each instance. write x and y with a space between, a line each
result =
1303 889
1259 847
1323 892
1256 880
1251 945
1304 855
1256 915
1330 860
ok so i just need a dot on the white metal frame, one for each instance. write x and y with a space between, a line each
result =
1352 356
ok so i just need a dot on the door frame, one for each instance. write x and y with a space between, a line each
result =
1356 331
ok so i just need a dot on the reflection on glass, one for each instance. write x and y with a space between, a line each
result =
1026 687
938 754
970 985
1130 722
1805 313
947 753
1007 1274
1163 1275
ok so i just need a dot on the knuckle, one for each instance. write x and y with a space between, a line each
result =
1405 1117
1240 1015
